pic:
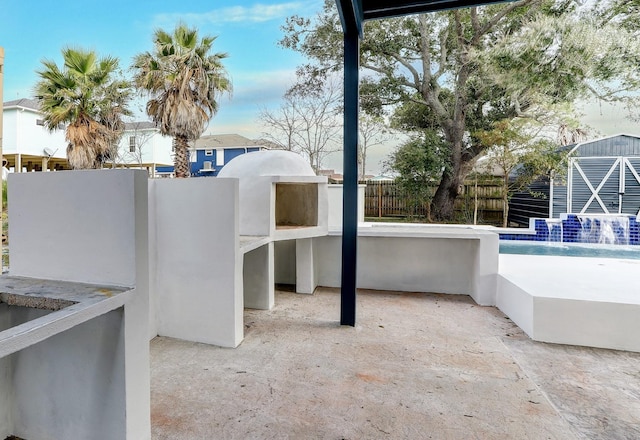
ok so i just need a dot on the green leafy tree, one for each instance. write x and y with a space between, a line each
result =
418 164
88 97
520 156
183 81
463 70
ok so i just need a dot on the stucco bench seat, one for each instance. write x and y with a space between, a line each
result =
425 258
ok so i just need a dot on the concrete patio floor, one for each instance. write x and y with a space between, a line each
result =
416 366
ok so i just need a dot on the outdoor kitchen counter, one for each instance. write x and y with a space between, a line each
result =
70 304
409 230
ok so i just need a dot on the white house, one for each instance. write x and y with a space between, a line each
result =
142 146
27 144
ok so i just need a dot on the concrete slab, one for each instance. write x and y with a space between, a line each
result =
416 366
578 278
593 302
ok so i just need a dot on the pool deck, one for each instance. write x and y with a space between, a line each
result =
416 366
572 300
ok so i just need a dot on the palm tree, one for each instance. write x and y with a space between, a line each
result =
86 96
183 81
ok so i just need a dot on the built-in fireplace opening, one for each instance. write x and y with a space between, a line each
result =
296 205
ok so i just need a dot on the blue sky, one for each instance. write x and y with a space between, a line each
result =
248 31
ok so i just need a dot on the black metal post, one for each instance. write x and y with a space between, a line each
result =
350 183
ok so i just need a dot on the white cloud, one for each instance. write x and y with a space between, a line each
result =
257 13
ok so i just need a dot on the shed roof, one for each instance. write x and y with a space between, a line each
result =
608 146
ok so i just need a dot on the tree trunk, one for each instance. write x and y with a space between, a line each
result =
505 201
182 166
445 197
364 164
453 176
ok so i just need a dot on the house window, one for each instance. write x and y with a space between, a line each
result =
132 144
40 122
219 157
208 152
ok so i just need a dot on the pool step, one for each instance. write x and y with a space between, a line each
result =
593 302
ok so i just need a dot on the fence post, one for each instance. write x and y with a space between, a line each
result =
379 199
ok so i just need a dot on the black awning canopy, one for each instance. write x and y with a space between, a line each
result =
390 8
355 12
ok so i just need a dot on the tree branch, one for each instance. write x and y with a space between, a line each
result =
475 24
443 54
407 65
499 16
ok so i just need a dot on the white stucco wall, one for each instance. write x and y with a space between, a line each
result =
198 268
258 278
59 397
6 382
76 225
335 205
88 227
285 261
432 260
153 259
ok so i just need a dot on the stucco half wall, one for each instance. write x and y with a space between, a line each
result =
427 259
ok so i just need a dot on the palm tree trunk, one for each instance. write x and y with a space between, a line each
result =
182 166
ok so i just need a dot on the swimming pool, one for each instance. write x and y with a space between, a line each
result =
569 249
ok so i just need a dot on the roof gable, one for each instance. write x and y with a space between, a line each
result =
26 103
223 141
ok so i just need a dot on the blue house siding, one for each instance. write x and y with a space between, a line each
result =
200 169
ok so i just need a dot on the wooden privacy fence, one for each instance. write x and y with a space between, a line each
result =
387 199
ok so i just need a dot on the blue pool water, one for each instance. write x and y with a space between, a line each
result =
569 249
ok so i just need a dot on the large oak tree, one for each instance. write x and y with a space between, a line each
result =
458 72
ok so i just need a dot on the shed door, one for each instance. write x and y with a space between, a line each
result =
631 188
594 185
